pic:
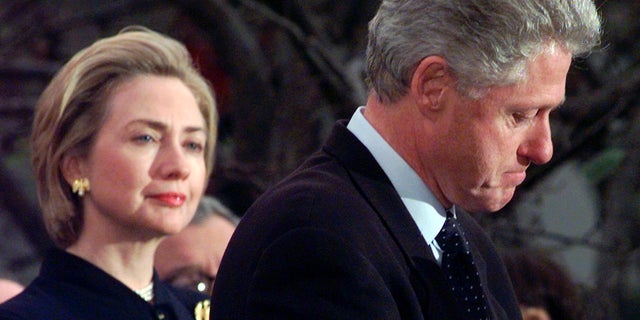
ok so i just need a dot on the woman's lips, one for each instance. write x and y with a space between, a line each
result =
170 198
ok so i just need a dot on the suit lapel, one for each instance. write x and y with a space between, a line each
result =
376 188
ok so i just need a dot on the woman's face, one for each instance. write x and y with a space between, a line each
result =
147 166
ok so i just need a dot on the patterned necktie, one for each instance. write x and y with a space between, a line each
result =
460 270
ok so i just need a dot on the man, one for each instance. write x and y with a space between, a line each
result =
190 258
459 106
9 289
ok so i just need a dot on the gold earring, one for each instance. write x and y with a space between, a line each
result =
202 310
80 186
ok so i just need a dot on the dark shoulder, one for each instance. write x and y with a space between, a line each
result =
33 304
321 182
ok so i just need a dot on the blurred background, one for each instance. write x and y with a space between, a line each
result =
284 71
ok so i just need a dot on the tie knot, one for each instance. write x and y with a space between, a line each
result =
449 213
451 238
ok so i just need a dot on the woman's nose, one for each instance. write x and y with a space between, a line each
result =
173 162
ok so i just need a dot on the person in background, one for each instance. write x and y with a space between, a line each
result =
544 289
9 289
122 148
190 258
375 224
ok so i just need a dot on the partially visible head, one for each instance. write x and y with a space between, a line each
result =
72 109
191 257
484 42
542 286
9 289
210 206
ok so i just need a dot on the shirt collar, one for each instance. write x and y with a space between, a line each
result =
423 206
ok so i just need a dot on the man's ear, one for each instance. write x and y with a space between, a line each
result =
428 82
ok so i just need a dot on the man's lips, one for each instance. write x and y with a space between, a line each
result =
173 199
516 178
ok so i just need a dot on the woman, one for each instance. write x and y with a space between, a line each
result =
122 148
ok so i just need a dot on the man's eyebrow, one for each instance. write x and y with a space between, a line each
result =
554 107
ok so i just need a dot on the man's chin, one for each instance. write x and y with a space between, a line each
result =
503 200
489 202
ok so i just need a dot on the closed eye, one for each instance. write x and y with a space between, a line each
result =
523 118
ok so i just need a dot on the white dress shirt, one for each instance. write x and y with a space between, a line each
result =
428 214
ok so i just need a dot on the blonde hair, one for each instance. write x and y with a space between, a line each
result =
71 111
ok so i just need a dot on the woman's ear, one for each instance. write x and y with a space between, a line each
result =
71 168
428 83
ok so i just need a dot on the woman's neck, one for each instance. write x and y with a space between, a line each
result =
129 262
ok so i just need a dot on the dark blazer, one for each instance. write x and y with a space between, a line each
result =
334 241
69 288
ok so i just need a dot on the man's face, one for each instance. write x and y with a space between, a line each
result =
191 257
483 147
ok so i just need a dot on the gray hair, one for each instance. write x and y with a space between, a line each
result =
209 206
485 42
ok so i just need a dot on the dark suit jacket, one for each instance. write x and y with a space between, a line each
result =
334 241
70 288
